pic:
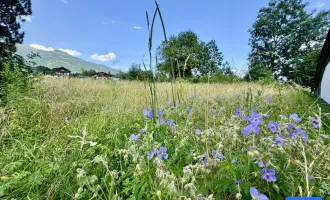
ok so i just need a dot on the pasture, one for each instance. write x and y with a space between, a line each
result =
100 139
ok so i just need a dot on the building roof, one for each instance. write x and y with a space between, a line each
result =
323 61
61 70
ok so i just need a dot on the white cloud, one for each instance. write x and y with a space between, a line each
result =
40 47
106 57
70 52
65 1
137 27
26 18
104 23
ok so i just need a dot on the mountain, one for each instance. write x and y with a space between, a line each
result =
57 58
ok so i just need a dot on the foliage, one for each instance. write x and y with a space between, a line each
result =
188 53
72 138
87 73
257 72
135 73
306 70
283 32
10 14
42 69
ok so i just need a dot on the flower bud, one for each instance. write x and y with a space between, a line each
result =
159 193
238 196
80 190
250 154
256 153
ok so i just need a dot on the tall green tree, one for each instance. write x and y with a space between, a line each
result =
11 13
285 31
187 53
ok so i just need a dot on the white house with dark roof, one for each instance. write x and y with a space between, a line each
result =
322 78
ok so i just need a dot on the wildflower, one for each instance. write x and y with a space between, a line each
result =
162 153
148 114
256 119
268 175
217 154
160 121
269 100
279 140
262 163
212 111
169 122
134 138
324 137
160 113
316 122
178 105
302 133
198 131
295 118
204 159
311 177
143 131
169 102
238 112
273 126
290 128
251 128
232 161
256 195
151 154
245 118
238 181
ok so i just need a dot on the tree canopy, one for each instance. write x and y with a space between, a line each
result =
283 33
187 53
11 13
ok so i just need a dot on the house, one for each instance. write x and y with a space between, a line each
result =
100 75
61 71
322 77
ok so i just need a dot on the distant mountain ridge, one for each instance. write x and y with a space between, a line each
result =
57 58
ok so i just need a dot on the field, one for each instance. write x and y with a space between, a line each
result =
100 139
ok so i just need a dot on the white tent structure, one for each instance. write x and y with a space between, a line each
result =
322 78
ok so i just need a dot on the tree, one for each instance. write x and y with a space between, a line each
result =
305 71
42 69
212 59
284 32
11 11
187 52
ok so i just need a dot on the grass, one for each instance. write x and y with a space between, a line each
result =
42 156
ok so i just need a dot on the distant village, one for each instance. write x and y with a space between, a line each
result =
64 72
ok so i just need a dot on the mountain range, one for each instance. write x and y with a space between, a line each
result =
57 58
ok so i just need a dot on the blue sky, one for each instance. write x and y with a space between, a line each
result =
90 29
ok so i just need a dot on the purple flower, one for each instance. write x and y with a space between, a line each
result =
238 112
169 102
169 122
256 195
190 109
178 105
279 140
134 138
245 118
251 128
324 137
302 133
268 175
316 122
311 177
143 131
217 154
198 131
148 114
273 126
262 163
295 118
160 113
204 159
151 154
290 128
256 119
232 161
238 181
160 121
269 100
212 111
162 153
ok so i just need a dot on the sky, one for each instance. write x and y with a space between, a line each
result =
115 33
